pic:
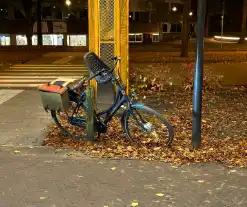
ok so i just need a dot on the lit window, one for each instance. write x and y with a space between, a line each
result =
21 40
48 39
4 40
136 37
155 38
77 40
139 37
53 39
131 37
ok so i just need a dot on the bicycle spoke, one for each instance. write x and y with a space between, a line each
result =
148 125
72 122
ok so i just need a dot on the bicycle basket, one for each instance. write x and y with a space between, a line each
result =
55 95
94 65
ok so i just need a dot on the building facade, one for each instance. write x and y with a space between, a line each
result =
150 21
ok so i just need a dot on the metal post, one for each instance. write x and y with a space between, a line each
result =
90 113
198 77
222 22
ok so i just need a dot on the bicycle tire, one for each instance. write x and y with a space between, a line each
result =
54 115
153 112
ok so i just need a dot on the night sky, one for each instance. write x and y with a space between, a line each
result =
233 13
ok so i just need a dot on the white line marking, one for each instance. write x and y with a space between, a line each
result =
8 94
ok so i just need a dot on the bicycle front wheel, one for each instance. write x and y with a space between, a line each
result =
148 125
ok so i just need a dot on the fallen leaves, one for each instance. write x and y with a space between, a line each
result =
223 135
113 168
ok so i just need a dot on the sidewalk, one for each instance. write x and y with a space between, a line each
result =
22 119
39 177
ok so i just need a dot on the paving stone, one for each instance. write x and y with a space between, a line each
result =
8 94
23 119
34 178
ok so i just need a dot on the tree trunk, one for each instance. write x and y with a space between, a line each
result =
11 16
243 27
39 24
27 5
185 30
29 38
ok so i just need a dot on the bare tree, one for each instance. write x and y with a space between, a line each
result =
243 27
213 8
27 7
185 29
39 26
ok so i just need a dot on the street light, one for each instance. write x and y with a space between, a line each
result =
191 13
68 2
222 21
174 9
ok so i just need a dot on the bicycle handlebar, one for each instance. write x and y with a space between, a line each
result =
95 75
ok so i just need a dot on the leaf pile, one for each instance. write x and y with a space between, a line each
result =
223 133
232 152
155 77
219 57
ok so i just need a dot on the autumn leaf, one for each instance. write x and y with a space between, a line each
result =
113 168
156 148
134 204
160 194
129 148
17 152
42 197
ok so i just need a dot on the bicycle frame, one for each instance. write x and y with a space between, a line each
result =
121 99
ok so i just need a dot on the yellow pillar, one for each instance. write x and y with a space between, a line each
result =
124 42
93 31
109 33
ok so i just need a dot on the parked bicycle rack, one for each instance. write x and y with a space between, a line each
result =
90 113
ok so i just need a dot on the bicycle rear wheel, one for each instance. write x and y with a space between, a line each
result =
148 125
72 122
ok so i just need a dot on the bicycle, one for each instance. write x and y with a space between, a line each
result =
135 112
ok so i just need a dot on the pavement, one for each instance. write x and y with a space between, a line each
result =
43 177
22 118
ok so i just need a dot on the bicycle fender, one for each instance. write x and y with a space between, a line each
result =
137 105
